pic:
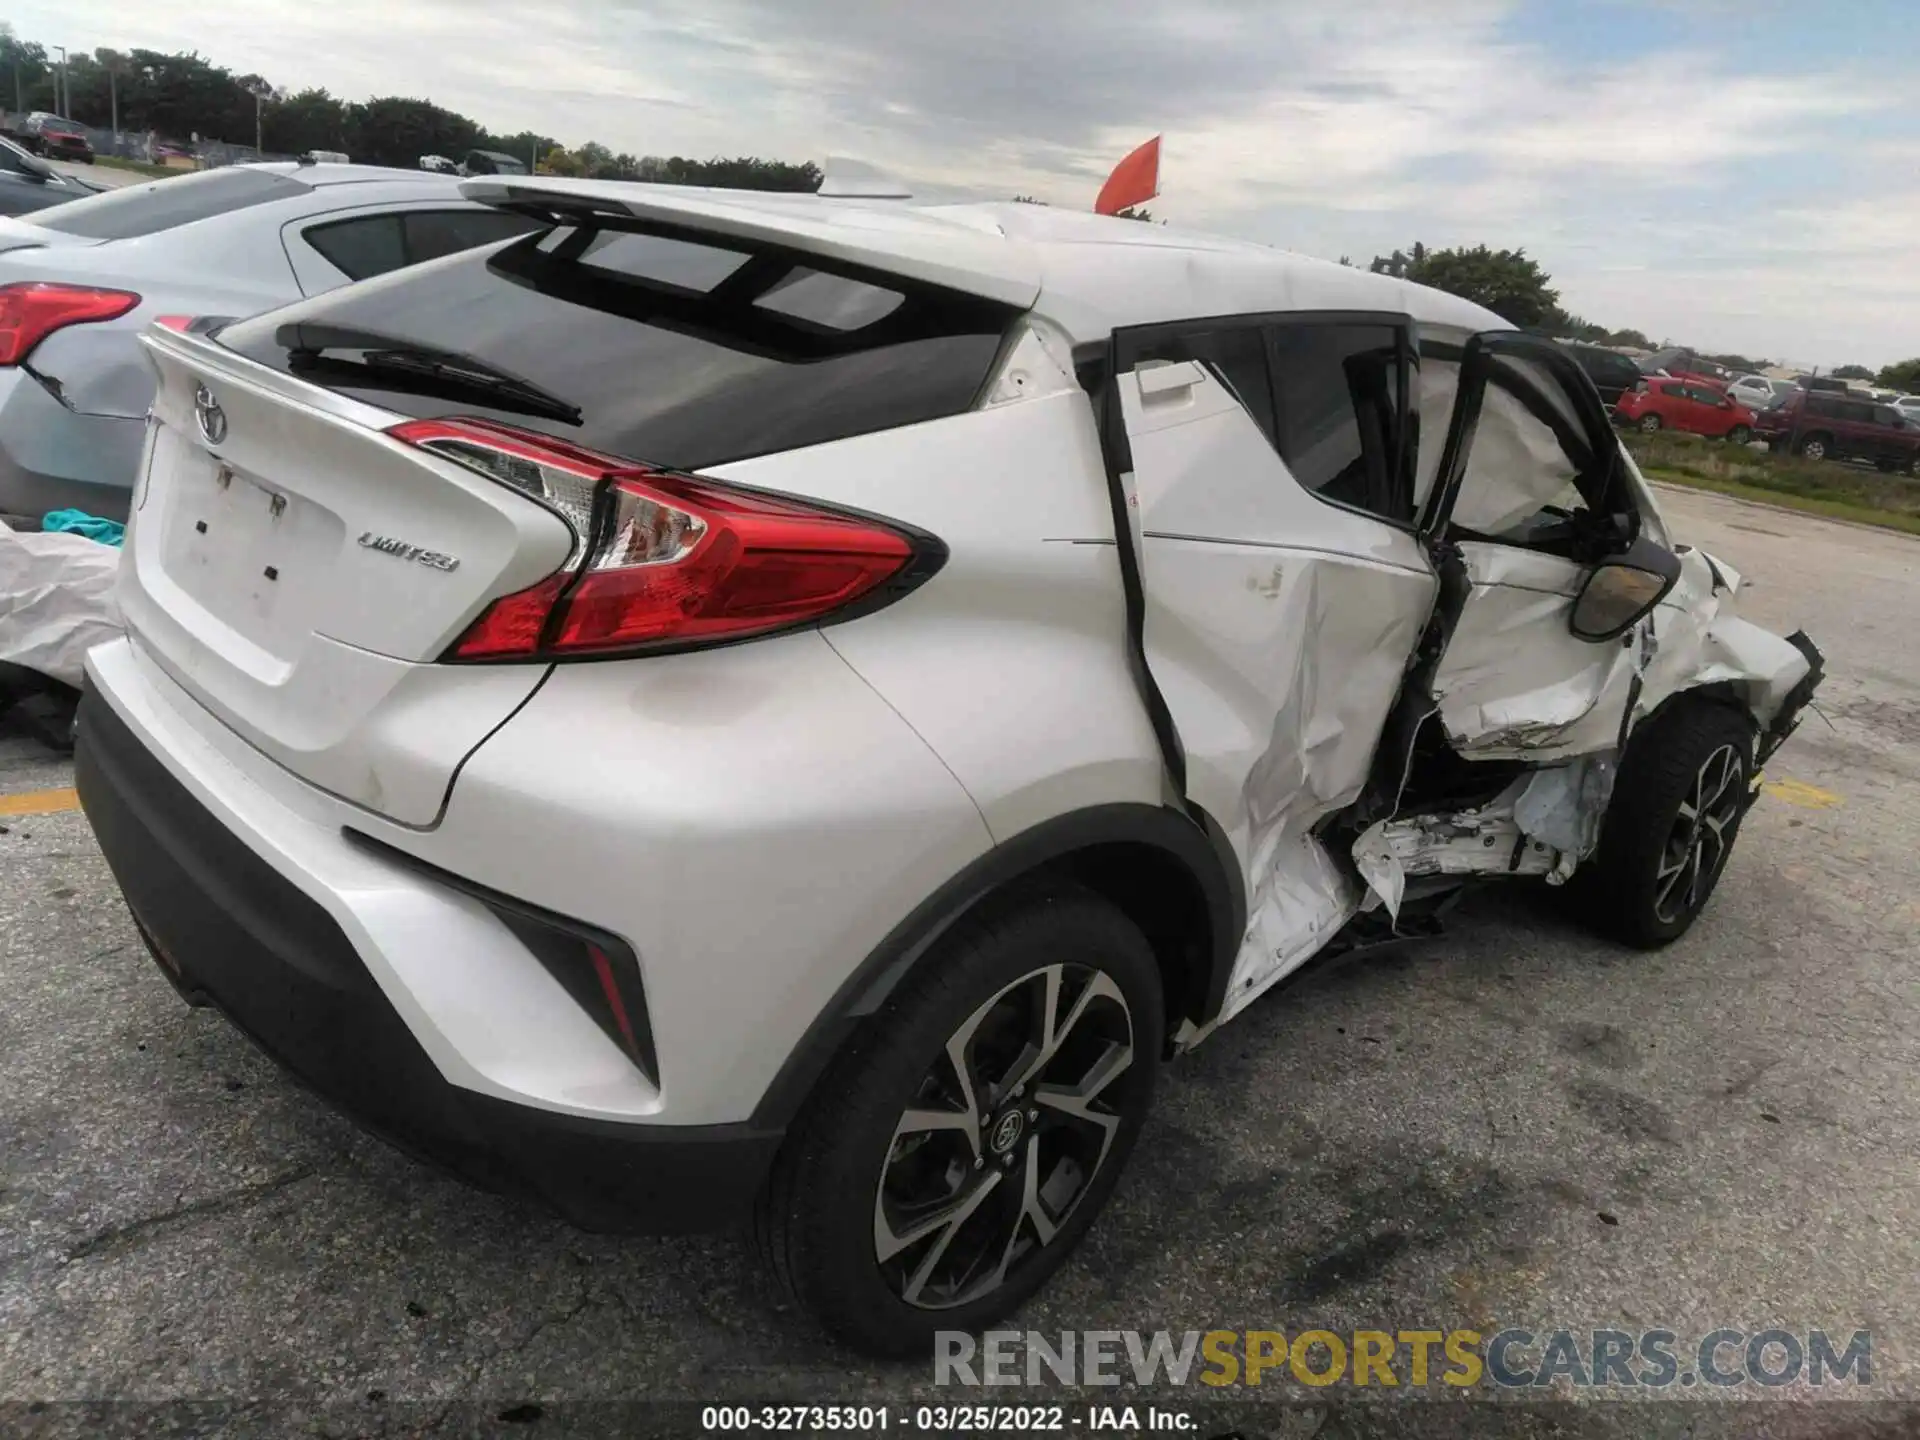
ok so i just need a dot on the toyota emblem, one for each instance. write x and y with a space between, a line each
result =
213 420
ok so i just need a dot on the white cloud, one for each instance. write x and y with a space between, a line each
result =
1350 127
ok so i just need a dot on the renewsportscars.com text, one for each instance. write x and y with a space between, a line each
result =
1510 1359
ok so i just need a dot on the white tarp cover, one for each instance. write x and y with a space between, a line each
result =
56 601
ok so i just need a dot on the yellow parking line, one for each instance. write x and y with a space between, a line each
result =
1798 792
40 802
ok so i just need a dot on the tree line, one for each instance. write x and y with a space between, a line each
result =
178 97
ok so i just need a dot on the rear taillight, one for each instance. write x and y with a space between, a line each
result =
30 312
664 560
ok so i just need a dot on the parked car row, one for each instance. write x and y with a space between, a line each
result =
1819 418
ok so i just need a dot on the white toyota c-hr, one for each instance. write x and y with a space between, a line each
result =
764 706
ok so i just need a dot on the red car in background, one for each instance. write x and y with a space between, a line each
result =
1690 405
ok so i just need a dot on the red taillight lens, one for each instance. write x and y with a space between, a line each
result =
30 312
660 559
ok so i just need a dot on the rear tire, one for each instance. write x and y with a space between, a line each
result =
1675 815
895 1209
1649 424
1739 435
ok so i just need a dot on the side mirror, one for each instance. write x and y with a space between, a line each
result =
1618 592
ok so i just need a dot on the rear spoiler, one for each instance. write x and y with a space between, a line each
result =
898 240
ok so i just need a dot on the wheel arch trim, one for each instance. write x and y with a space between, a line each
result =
1201 850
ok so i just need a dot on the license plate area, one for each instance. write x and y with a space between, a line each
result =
253 557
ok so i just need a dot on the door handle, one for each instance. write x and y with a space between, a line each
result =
1162 384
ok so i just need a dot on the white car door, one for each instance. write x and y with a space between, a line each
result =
1284 586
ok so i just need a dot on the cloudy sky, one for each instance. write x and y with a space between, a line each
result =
1739 176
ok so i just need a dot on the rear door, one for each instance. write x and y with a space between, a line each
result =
1710 408
1892 441
1270 474
1530 496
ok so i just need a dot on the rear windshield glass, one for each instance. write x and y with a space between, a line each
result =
136 210
659 348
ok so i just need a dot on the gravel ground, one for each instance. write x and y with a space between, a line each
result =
1516 1125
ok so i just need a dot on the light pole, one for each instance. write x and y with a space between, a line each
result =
60 81
260 94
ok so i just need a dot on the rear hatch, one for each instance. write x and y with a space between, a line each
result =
304 573
298 572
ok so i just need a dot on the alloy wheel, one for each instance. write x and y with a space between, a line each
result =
1814 450
1003 1136
1697 844
1649 423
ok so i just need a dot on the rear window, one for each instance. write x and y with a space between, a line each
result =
667 349
136 210
369 245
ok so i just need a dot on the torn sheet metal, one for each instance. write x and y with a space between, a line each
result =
1699 640
1515 683
1302 901
1541 824
1277 629
56 601
1562 806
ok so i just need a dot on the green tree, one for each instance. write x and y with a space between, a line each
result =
1903 375
398 130
1851 372
114 65
307 120
1630 338
1505 281
23 68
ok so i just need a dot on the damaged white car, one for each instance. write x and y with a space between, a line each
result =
786 709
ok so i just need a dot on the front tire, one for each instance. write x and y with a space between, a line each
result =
1739 435
1676 811
1649 424
952 1160
1815 447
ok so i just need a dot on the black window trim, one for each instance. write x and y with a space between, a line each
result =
308 225
1131 342
1436 515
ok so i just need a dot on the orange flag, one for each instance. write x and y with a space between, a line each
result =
1134 180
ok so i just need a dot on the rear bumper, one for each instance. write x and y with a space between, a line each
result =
230 929
53 458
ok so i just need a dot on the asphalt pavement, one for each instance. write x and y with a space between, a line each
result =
1515 1125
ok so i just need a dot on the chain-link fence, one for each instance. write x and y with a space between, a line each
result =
149 148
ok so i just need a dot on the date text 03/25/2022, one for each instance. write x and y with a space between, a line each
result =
941 1419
